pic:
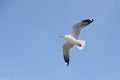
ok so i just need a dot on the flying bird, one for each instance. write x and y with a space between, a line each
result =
72 39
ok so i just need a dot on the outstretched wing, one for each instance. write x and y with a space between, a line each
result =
78 26
66 48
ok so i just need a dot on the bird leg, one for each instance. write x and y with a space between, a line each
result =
79 45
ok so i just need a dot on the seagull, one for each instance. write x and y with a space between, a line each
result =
72 39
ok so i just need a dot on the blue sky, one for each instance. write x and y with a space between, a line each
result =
30 47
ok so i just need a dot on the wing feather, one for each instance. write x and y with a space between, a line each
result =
76 30
66 48
78 26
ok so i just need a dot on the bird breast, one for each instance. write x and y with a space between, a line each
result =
72 40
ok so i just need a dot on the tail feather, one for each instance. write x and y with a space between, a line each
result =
82 42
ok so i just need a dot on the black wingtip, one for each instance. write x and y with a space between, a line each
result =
88 21
67 64
66 58
91 20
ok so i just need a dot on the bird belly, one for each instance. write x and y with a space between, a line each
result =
73 40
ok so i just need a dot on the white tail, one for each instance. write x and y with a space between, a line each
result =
82 42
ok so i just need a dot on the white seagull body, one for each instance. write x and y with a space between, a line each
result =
72 39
